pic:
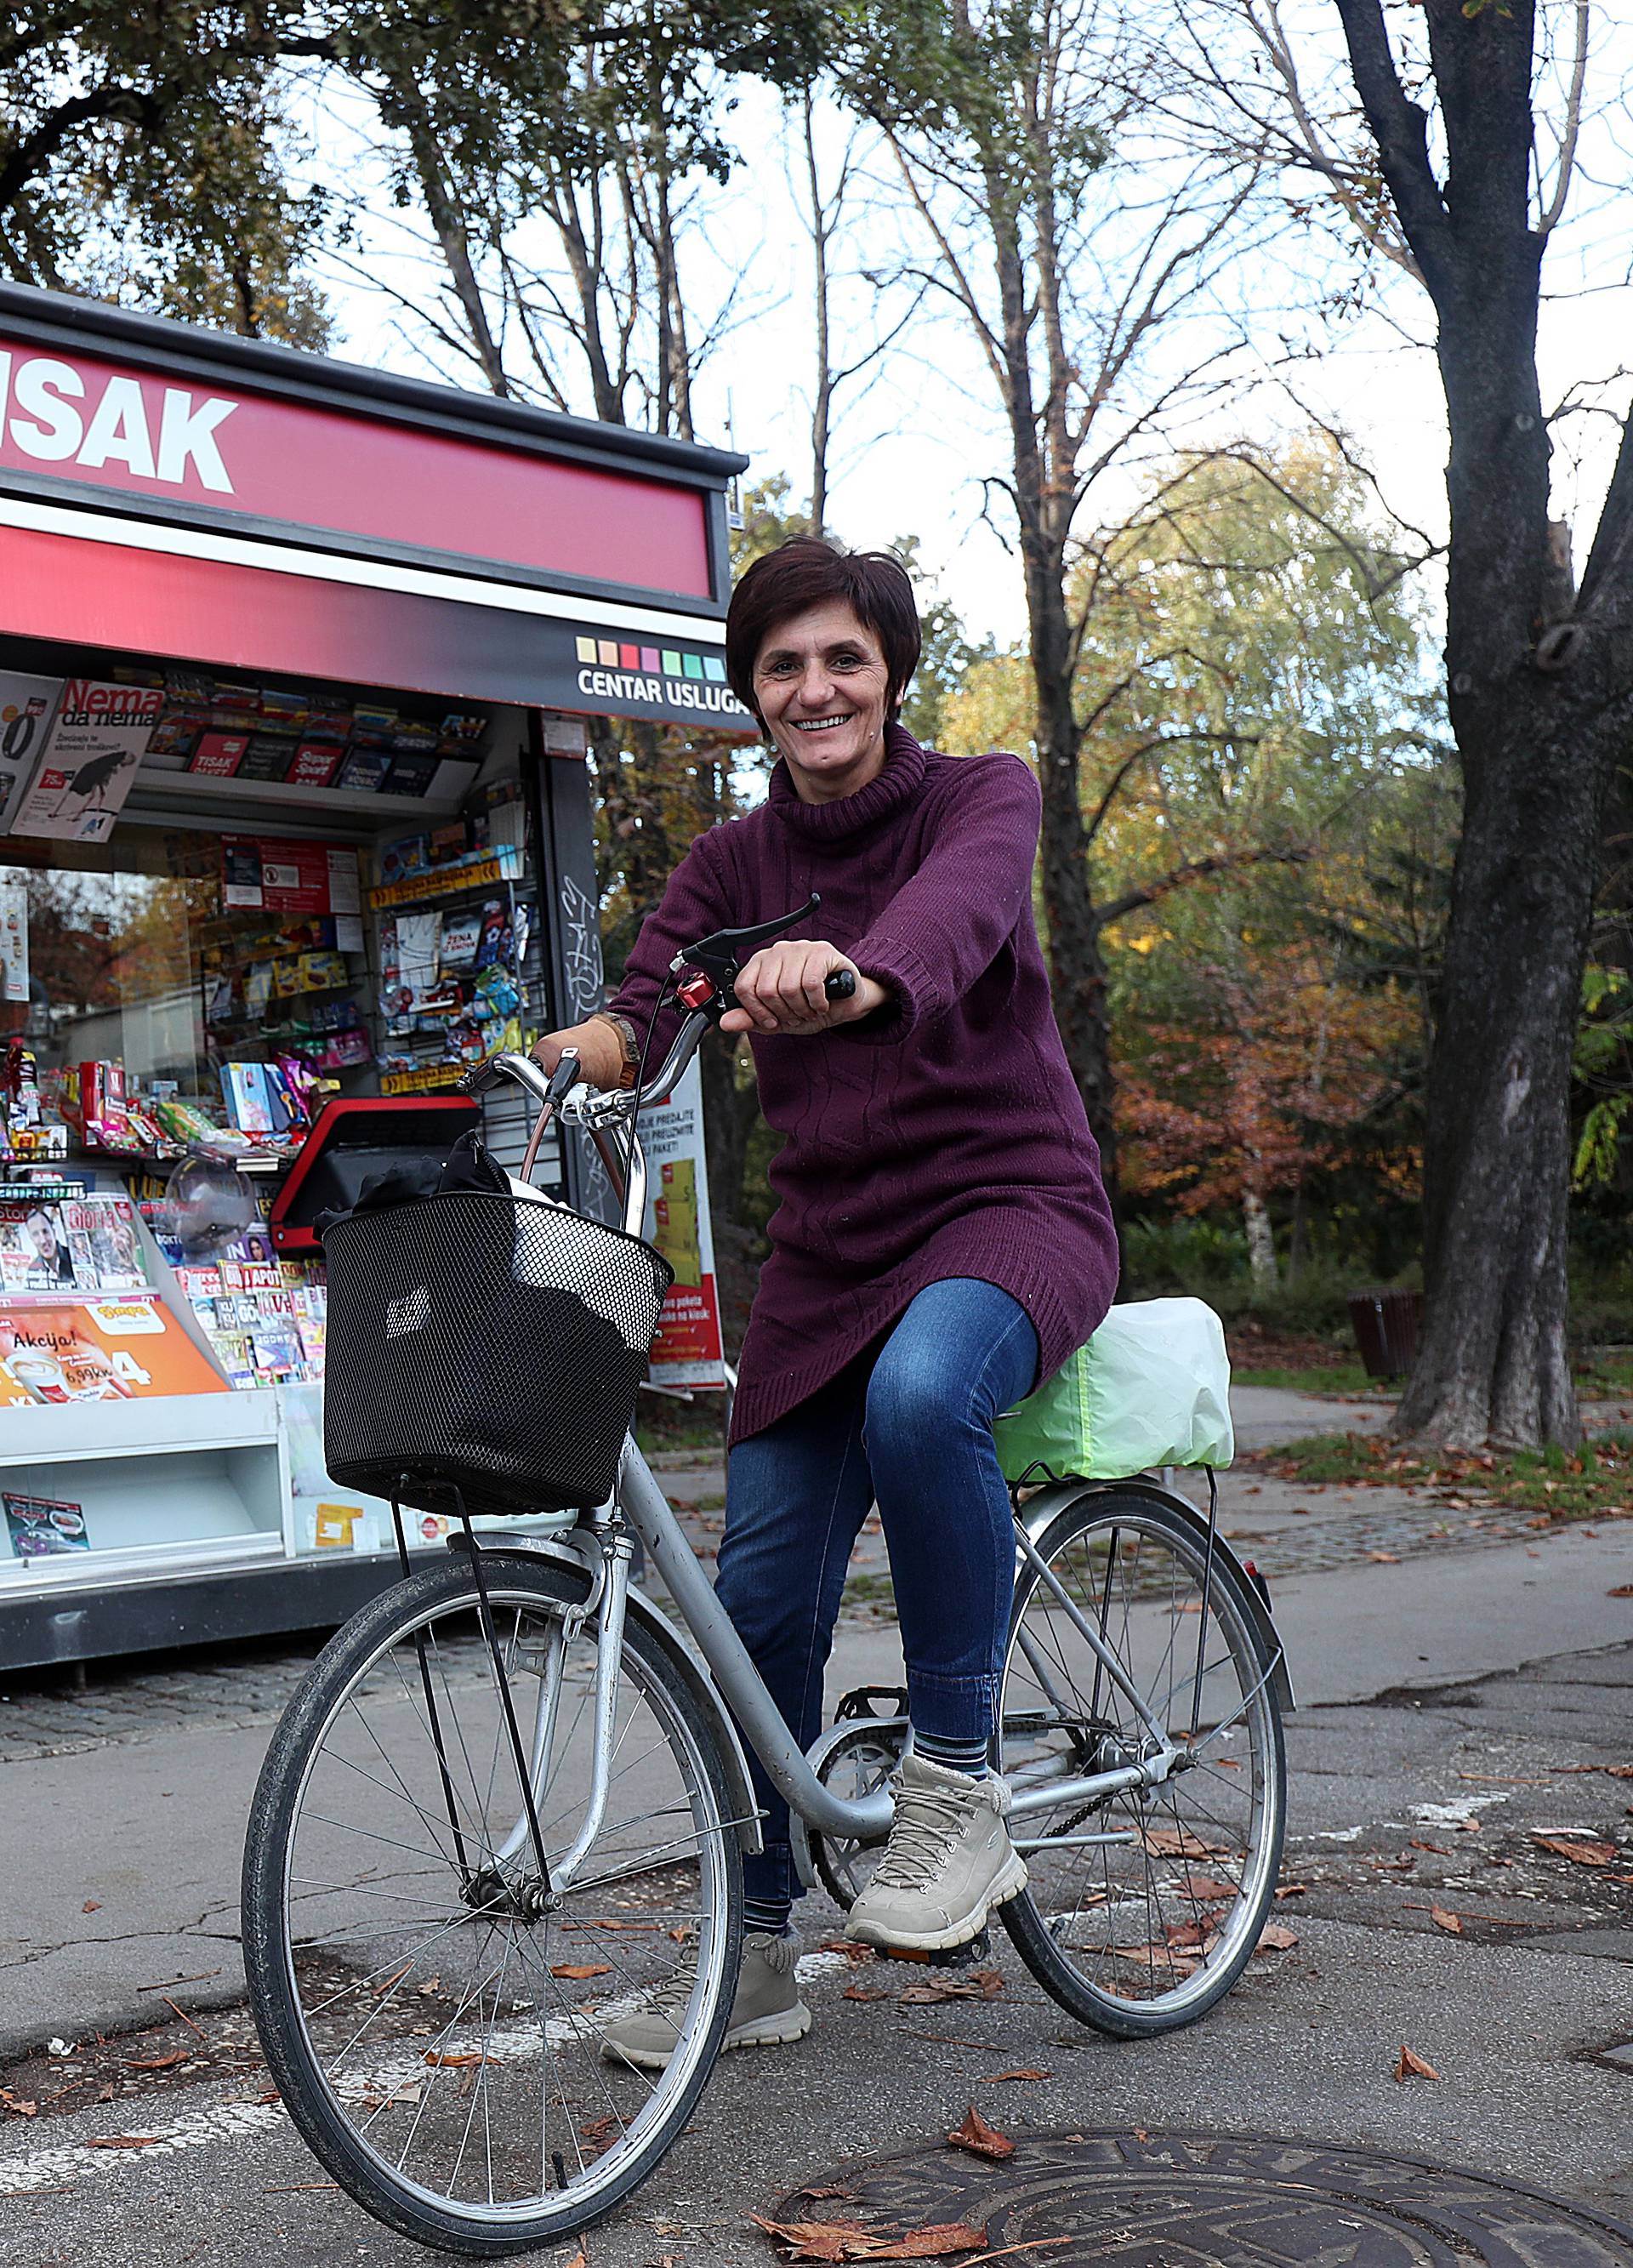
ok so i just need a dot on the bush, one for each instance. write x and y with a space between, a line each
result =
1207 1260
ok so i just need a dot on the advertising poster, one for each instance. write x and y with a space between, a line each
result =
14 942
43 1527
89 766
688 1350
119 1348
289 878
25 707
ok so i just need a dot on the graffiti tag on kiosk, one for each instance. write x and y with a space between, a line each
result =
58 415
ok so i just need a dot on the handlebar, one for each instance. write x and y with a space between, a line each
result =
708 969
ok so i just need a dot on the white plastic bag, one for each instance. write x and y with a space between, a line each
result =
1152 1387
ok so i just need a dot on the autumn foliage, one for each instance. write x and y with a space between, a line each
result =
1278 1073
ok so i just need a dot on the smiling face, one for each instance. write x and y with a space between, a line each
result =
822 685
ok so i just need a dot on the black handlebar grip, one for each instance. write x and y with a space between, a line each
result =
840 985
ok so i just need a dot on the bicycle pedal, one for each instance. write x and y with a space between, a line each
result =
979 1949
945 1957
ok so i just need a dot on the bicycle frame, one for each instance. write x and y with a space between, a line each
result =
737 1686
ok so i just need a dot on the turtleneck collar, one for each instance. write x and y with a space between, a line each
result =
851 816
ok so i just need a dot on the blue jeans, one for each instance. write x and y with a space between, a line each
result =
909 1425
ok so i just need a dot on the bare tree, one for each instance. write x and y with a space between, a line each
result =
849 334
1460 170
1071 254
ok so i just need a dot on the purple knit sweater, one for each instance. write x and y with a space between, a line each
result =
942 1136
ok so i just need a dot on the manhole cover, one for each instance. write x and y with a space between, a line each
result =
1216 2201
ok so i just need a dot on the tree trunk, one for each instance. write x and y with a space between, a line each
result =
1493 1363
1538 690
1077 964
1260 1242
446 218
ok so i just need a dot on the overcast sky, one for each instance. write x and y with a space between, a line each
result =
911 449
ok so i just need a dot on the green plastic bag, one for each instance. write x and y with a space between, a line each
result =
1152 1387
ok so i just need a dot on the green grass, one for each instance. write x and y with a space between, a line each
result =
1596 1482
1315 1378
680 1429
1607 1377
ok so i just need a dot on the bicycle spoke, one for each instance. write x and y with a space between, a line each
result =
1146 1922
462 2070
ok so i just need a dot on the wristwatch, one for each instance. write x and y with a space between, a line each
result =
629 1040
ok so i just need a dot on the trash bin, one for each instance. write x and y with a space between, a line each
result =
1384 1324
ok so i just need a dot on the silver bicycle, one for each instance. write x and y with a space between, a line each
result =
513 1795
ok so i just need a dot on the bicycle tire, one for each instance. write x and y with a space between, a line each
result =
433 1596
1200 1972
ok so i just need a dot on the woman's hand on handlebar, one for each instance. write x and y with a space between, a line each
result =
781 989
601 1051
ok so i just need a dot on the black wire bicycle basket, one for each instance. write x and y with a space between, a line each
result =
484 1343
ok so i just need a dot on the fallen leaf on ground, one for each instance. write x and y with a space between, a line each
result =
994 2078
121 2142
866 1992
579 1970
980 1984
1618 1772
1585 1849
390 1984
1439 1849
1206 1887
1292 1889
454 2061
16 2105
1386 1558
1277 1938
1443 1919
600 2133
1178 1843
580 2259
851 1952
848 2240
1621 1591
156 2063
91 1905
975 2134
1413 2067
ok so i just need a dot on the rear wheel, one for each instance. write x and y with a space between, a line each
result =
1144 1907
437 2040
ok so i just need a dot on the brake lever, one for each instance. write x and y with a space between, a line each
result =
709 970
722 955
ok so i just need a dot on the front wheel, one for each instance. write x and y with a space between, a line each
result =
437 2030
1144 1907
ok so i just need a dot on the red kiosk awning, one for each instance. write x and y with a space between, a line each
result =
191 495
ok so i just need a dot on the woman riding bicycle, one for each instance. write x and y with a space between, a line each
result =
943 1239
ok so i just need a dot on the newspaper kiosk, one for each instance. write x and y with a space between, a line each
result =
295 816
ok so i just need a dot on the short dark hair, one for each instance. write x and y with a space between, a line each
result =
806 571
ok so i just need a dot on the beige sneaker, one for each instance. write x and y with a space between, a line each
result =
948 1862
767 2011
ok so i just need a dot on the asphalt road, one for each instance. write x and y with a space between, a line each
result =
1464 1694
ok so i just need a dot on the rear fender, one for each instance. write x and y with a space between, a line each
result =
1042 1508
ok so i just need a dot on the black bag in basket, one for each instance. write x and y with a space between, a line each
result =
487 1342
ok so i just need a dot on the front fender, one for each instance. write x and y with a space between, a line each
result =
573 1549
1039 1509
